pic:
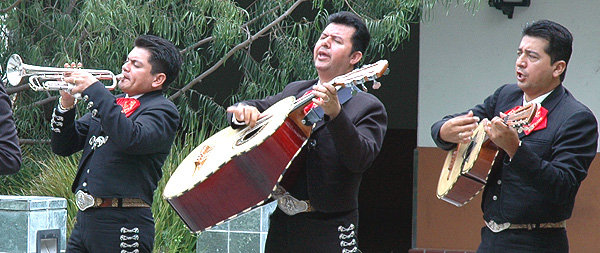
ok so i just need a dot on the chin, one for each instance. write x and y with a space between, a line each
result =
123 88
321 67
523 86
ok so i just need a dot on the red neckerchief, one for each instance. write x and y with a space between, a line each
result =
539 120
310 105
129 105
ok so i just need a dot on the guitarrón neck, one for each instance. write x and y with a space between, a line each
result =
307 98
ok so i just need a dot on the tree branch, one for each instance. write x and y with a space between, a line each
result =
10 7
196 45
16 89
235 49
209 39
42 102
33 141
21 88
71 7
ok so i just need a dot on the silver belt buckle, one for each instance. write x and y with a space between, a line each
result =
495 227
287 203
83 200
290 205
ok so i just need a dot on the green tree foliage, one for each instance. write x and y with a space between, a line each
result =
211 34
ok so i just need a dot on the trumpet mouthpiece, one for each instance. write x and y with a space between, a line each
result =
119 77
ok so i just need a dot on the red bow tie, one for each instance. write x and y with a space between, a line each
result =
129 105
539 120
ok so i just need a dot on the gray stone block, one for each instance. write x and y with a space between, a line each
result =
247 233
21 217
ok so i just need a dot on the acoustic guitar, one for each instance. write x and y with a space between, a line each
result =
467 166
237 170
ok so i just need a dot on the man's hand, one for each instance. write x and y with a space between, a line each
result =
459 129
505 137
247 114
329 100
81 79
66 100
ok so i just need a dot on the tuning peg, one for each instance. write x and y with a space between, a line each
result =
362 85
376 85
353 90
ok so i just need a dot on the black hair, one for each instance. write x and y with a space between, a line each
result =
560 40
164 57
361 37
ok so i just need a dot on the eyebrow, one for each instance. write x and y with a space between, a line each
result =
529 51
133 60
332 35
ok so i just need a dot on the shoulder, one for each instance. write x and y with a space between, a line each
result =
156 102
367 99
294 88
565 100
572 105
302 83
364 103
156 97
568 111
571 100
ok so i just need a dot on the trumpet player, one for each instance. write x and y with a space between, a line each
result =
125 140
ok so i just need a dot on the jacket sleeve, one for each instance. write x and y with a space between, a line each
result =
483 110
358 140
10 152
68 135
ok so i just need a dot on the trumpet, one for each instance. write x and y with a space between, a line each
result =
49 78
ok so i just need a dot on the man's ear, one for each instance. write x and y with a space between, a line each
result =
355 57
559 68
159 79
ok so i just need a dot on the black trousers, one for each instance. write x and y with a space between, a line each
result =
313 232
523 240
112 230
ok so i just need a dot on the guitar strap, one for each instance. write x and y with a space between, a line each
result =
316 114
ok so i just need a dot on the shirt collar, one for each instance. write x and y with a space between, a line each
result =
136 96
537 100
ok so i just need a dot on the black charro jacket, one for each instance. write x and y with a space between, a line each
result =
122 156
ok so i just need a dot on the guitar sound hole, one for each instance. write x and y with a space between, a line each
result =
467 153
249 135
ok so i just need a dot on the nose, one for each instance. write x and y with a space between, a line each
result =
521 62
125 66
326 42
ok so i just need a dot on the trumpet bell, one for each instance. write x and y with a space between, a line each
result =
14 70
